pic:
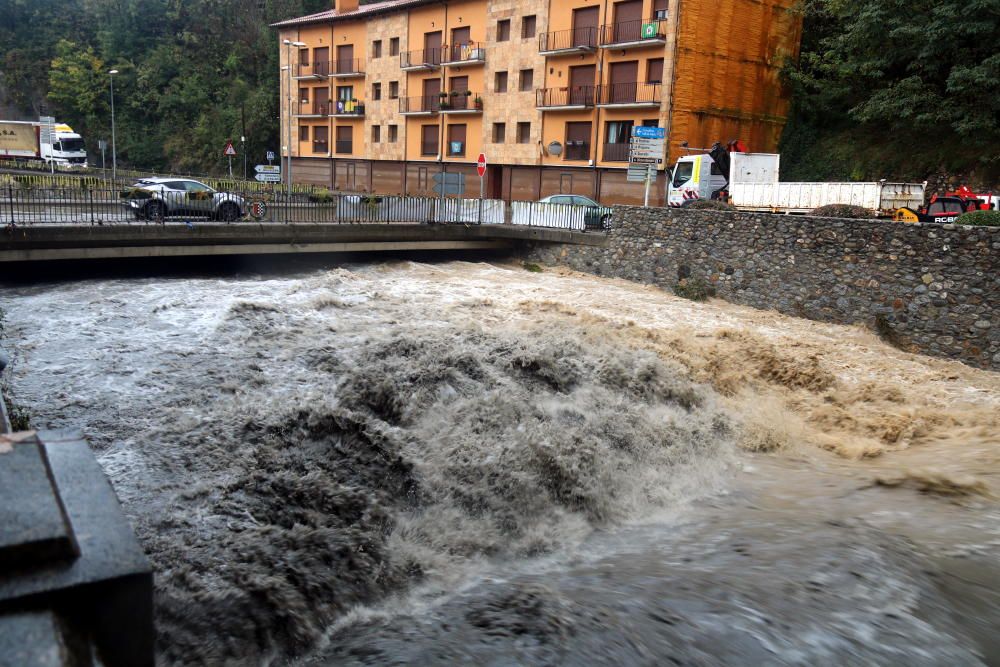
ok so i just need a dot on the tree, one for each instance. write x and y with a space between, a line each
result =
78 84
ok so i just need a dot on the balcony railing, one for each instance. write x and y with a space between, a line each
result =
633 94
420 59
347 68
321 147
344 147
464 54
425 104
428 148
577 150
347 108
568 41
634 33
461 103
565 97
617 152
312 109
317 70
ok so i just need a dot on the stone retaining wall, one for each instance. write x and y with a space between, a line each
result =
928 288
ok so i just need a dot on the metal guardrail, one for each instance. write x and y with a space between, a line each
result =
574 39
424 58
642 30
637 92
565 96
420 104
122 207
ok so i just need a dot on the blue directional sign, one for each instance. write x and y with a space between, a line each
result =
649 132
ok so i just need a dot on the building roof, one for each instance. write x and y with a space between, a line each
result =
363 11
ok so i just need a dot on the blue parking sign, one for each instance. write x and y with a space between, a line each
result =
644 132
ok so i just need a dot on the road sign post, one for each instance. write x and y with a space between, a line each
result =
229 152
646 149
481 170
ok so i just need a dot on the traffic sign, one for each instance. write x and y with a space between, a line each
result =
258 209
268 169
638 173
481 165
268 177
229 151
645 160
270 156
644 132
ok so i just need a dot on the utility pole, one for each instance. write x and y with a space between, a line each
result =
114 146
288 150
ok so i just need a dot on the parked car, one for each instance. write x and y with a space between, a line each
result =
157 198
596 217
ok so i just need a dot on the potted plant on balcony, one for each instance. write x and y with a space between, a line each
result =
478 102
444 104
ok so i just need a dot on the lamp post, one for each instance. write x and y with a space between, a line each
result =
288 149
114 149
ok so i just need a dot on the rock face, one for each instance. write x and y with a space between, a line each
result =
928 288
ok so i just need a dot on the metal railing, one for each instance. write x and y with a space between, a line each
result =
344 147
568 40
464 100
420 104
633 31
616 152
321 147
565 96
471 52
577 150
629 93
110 206
312 108
317 69
347 108
420 58
347 67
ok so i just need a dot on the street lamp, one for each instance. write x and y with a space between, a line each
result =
288 53
114 150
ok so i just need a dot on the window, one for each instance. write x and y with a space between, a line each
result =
376 134
345 93
304 95
345 139
500 82
394 46
523 133
303 133
456 140
321 139
393 133
527 27
577 141
393 90
503 30
429 140
683 173
377 48
499 132
527 80
376 91
616 141
654 70
303 56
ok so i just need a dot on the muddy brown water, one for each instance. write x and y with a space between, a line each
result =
457 463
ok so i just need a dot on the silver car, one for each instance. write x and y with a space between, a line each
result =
157 198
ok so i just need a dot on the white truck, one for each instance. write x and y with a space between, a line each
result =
24 140
750 182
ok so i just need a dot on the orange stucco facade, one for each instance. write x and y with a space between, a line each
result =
549 90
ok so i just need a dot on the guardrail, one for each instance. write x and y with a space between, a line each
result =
105 206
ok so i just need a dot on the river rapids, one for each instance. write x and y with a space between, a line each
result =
471 463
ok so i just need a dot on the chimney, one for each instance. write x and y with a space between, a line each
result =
343 6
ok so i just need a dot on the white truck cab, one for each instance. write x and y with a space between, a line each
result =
67 148
695 177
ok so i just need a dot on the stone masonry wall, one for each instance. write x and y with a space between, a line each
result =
928 288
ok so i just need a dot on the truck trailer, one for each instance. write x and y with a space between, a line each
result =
23 140
751 182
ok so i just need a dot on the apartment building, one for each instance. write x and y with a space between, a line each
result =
380 97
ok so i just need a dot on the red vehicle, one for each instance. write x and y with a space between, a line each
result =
947 208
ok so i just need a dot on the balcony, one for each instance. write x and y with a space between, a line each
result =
473 53
629 95
577 150
347 69
312 109
423 105
320 147
422 59
561 42
344 147
616 152
565 98
633 34
463 102
312 71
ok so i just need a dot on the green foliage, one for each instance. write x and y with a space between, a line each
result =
894 89
980 218
693 289
532 268
321 197
842 211
710 205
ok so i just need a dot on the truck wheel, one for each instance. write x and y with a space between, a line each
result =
228 211
155 211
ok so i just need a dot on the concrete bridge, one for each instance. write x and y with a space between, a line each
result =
35 243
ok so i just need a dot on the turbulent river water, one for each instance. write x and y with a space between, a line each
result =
470 463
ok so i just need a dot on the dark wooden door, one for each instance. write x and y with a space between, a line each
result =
459 46
578 141
432 48
623 82
432 92
321 61
321 101
459 84
345 59
581 84
585 26
628 21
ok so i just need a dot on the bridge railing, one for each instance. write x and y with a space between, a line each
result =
164 205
